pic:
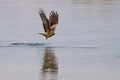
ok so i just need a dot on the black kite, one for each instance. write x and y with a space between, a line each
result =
50 24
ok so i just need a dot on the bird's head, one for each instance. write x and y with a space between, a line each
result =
46 38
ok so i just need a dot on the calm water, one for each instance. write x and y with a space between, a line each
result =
86 45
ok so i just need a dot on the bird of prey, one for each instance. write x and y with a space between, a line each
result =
50 24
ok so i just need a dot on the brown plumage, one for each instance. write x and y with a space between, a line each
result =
50 24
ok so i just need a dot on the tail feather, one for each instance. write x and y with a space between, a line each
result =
43 35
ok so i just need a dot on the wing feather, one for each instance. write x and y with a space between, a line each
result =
53 18
45 21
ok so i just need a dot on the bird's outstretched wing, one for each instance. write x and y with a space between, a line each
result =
53 20
45 21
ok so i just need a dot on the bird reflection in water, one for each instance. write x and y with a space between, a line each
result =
49 69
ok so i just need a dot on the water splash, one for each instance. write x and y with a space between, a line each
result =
43 45
27 44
